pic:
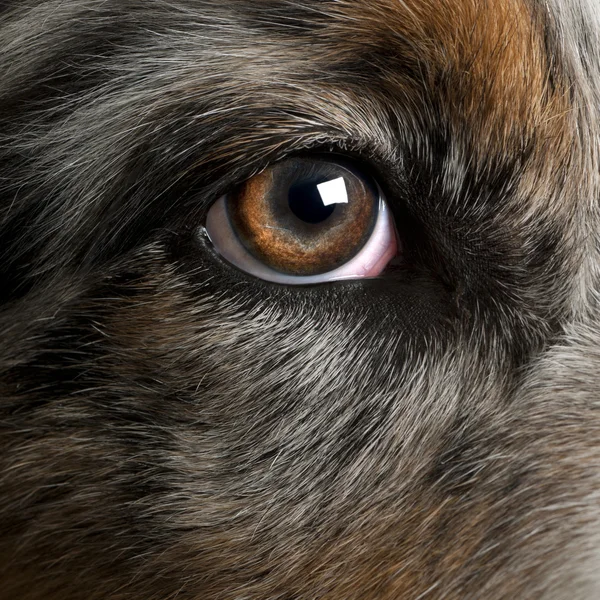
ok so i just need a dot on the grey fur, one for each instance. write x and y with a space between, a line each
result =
170 428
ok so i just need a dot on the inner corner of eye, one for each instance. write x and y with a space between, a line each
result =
310 221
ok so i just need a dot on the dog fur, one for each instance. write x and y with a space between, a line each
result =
172 428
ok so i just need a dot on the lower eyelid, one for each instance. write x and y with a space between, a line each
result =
370 261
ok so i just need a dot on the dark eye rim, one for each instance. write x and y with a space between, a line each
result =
385 170
377 247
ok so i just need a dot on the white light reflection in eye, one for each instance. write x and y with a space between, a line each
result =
333 192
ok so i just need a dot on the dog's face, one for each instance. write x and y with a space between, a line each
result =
174 424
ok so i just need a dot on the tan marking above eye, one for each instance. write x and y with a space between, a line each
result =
483 64
260 213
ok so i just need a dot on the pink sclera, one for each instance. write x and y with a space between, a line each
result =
387 250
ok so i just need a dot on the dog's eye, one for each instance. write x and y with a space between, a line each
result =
304 221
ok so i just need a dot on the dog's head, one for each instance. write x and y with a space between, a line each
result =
177 423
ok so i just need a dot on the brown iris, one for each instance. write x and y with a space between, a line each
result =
304 216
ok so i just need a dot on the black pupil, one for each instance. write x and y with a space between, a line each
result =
306 203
